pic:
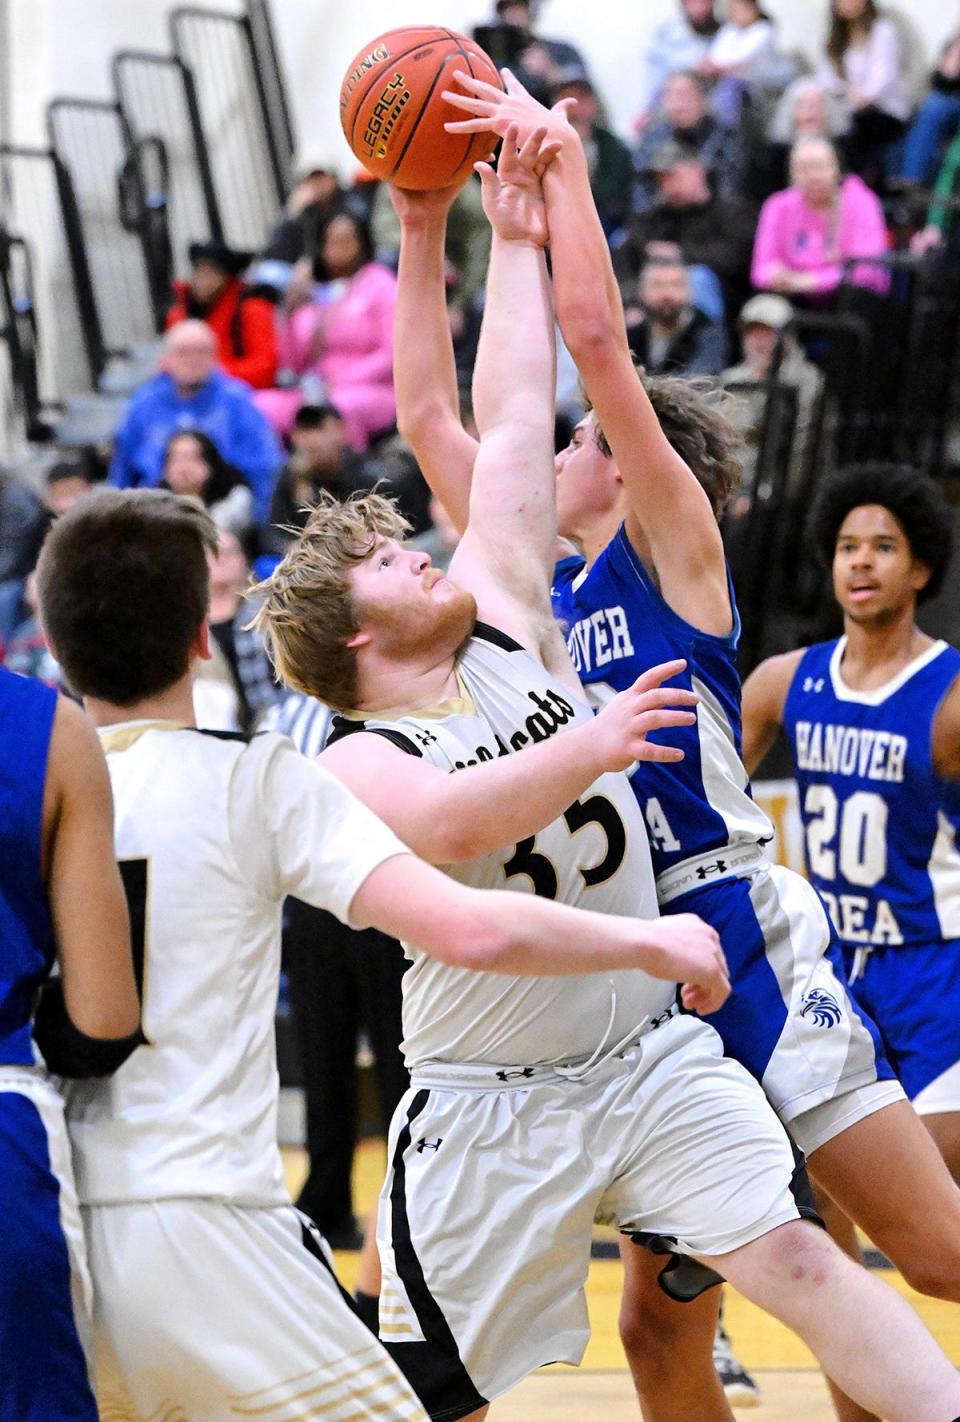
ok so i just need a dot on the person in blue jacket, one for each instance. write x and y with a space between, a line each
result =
189 392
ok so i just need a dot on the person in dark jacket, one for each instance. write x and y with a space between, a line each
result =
611 166
668 334
240 317
322 461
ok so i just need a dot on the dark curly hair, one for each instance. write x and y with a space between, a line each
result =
691 416
915 500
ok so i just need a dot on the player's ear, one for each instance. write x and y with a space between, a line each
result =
358 640
919 575
201 643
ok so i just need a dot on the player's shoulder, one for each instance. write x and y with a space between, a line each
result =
769 683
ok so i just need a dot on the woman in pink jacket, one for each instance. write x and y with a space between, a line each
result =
807 232
339 345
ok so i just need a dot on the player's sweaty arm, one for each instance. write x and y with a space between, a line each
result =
764 693
664 495
507 551
87 1023
493 931
424 370
449 818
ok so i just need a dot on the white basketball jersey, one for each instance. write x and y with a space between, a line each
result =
212 833
596 856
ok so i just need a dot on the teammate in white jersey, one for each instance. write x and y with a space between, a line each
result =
542 1108
213 1296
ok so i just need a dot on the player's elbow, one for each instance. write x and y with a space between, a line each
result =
482 942
419 419
588 333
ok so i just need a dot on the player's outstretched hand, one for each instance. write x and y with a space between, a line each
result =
625 722
492 109
690 953
512 194
414 207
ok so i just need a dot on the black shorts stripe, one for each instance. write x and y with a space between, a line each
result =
433 1368
343 727
310 1238
486 633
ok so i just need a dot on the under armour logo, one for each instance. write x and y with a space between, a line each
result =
509 1075
822 1007
813 683
423 1145
426 738
719 866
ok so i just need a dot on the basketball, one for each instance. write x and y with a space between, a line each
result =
392 112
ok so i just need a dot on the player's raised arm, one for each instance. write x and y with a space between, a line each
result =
509 545
764 694
424 371
663 494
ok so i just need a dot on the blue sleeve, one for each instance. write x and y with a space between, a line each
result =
256 451
122 474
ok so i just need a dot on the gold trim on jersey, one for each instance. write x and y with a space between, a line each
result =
120 738
461 705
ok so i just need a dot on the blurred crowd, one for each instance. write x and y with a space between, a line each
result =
757 195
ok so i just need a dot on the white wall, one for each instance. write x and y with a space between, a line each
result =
63 46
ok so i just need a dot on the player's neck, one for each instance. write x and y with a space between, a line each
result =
385 686
598 533
877 651
174 704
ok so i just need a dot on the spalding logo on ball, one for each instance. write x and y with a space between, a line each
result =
393 114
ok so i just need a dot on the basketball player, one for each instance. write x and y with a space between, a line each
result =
653 584
213 1295
543 1108
873 720
60 897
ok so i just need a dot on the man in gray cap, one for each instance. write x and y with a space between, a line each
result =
766 324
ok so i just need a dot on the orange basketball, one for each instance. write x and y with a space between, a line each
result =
392 113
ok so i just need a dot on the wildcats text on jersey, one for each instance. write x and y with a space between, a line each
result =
602 637
850 750
552 713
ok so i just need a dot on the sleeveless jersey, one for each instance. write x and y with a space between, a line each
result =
595 856
27 709
617 625
880 826
212 832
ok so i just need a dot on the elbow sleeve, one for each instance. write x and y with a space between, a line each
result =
69 1052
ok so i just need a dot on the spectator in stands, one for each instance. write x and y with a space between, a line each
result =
536 60
765 322
26 651
680 43
864 66
193 466
316 194
235 686
667 333
67 482
684 118
711 232
240 316
806 110
941 226
190 393
467 250
937 118
321 461
743 59
611 166
810 230
339 345
22 526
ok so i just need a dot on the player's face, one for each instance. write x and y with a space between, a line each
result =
407 605
875 575
587 482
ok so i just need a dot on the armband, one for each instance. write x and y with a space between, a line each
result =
69 1052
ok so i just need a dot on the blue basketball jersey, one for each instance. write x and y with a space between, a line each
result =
880 826
617 625
26 934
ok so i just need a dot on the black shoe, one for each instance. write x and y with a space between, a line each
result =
739 1387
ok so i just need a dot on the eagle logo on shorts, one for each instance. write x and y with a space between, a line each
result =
822 1007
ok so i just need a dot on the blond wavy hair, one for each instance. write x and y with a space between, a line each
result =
307 612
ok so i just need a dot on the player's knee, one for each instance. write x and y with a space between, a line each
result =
652 1326
801 1256
932 1273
